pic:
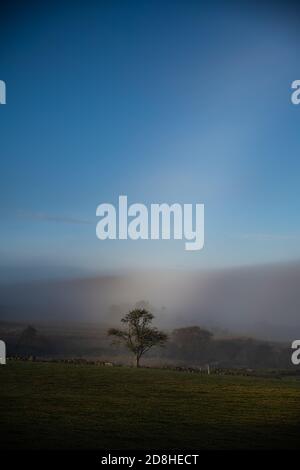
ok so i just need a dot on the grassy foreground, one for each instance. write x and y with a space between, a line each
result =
57 406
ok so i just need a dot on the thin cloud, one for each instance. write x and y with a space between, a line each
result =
53 218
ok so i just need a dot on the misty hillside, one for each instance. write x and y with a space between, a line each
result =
262 301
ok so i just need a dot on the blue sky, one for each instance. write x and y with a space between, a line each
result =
162 101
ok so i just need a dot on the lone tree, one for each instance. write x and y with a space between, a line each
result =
139 335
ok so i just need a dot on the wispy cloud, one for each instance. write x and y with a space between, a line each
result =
42 216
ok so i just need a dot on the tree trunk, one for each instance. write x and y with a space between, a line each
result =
137 361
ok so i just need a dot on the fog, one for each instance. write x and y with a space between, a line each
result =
262 301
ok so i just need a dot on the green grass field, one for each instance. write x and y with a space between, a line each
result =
57 406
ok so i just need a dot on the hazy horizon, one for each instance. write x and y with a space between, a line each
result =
262 301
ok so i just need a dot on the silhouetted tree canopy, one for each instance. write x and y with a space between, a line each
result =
191 342
138 334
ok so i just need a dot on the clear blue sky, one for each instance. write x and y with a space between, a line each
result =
170 101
